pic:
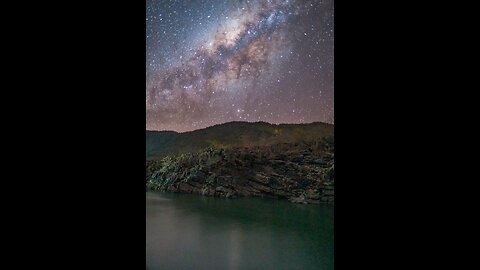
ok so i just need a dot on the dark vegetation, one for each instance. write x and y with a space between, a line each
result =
294 162
232 134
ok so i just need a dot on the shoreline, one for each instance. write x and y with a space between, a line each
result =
296 200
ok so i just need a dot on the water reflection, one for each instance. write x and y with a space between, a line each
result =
194 232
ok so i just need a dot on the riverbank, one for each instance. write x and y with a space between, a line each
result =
299 172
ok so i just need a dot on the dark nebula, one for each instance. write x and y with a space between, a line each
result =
210 62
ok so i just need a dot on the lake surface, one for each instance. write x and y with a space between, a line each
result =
195 232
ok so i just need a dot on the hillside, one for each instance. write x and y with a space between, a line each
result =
301 173
233 134
290 161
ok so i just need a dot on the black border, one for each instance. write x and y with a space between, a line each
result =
79 141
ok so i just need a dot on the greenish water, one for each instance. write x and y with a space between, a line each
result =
195 232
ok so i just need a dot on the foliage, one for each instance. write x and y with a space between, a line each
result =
232 135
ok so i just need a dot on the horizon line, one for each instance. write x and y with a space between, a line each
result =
250 122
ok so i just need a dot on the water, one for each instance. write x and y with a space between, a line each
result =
195 232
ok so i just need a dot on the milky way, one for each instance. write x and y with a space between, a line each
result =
210 62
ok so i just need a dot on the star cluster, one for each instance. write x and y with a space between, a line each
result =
210 62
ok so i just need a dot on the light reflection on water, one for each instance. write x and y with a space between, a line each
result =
195 232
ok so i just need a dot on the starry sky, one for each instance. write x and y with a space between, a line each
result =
216 61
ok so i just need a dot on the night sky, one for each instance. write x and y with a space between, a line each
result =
211 62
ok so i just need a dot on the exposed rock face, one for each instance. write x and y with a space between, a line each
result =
302 173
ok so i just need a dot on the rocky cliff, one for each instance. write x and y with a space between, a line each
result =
300 172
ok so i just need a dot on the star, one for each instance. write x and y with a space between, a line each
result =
210 60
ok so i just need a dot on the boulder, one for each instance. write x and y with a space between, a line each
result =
299 199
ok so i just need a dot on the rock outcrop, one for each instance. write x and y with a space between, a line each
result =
299 172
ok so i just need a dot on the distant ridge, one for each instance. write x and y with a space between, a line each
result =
243 122
233 134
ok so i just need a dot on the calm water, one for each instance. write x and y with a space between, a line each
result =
195 232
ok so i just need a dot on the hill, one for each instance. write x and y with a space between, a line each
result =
233 134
